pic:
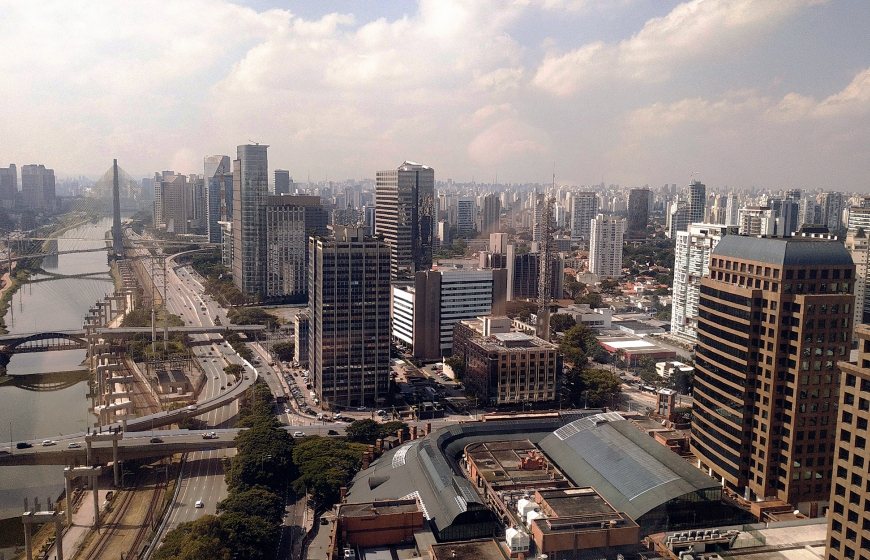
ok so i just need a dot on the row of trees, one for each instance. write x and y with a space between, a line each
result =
249 520
269 464
582 384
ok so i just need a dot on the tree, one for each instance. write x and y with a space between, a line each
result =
609 286
264 458
284 350
592 299
578 343
591 387
235 369
390 428
457 364
573 287
194 540
363 431
250 537
256 501
325 465
560 322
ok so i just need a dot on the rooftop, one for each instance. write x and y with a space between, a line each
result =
488 549
628 468
792 251
385 507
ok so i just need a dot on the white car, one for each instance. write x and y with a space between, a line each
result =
74 445
47 442
199 504
298 434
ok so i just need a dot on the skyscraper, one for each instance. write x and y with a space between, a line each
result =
858 246
37 186
349 310
465 216
282 181
638 212
404 201
605 246
774 316
8 184
831 205
290 220
171 202
848 518
697 201
491 214
732 211
584 207
691 263
218 193
250 189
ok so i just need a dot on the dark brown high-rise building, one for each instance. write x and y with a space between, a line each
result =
349 318
638 212
774 318
849 515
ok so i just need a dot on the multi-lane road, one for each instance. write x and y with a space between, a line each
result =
203 472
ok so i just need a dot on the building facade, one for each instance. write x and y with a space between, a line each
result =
290 220
282 181
218 179
858 245
404 202
503 367
605 246
424 314
37 187
349 318
250 189
638 212
774 317
849 513
465 216
490 216
584 207
697 201
691 263
757 220
8 185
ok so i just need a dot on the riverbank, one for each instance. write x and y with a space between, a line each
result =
12 282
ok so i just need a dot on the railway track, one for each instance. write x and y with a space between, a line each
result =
110 529
118 529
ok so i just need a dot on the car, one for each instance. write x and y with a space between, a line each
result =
324 521
332 433
210 435
215 377
361 408
286 411
74 445
47 442
199 504
155 440
298 434
23 445
223 388
191 407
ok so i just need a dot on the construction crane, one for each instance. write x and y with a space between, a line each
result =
545 270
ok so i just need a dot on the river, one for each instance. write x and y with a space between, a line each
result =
33 413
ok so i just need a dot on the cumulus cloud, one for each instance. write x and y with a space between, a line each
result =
693 30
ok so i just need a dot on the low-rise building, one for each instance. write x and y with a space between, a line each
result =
596 318
635 350
667 370
504 367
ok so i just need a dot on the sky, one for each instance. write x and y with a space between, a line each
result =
738 93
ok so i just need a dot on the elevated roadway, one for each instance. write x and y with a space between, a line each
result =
136 446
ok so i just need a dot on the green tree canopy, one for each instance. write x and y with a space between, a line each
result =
255 501
195 540
363 431
325 465
591 387
561 322
284 350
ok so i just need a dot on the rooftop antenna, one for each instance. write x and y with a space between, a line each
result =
254 143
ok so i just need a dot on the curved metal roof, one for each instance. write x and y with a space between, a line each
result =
629 469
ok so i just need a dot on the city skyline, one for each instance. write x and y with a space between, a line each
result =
746 93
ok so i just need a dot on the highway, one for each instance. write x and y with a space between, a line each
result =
203 472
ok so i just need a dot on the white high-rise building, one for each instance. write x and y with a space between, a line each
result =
732 211
584 208
691 263
757 220
605 246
